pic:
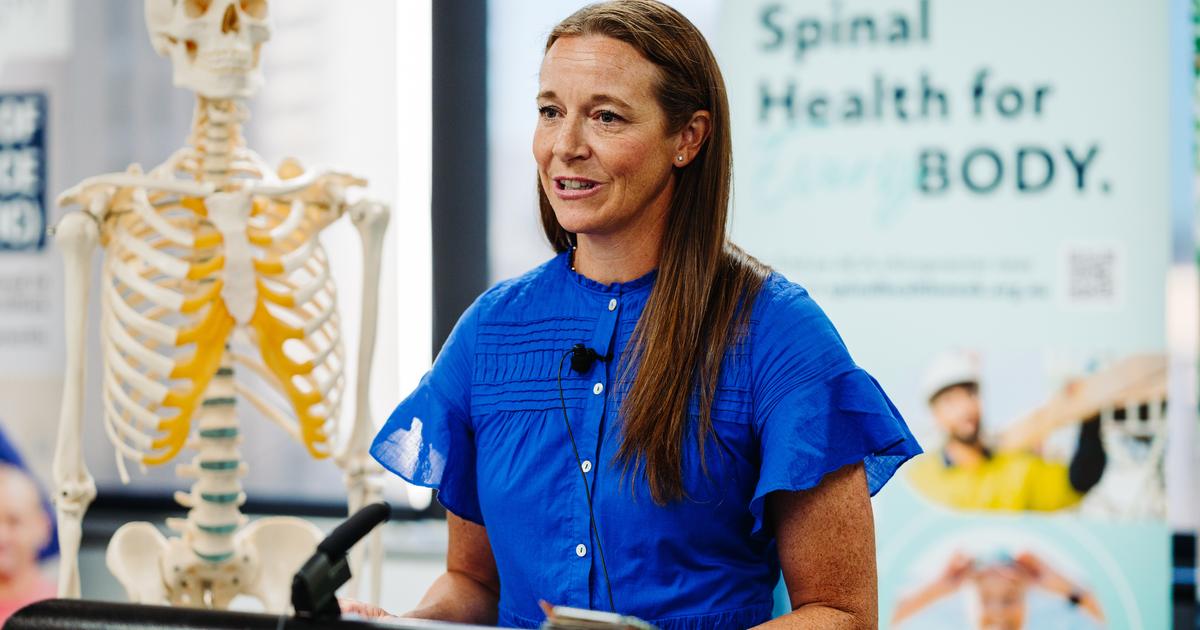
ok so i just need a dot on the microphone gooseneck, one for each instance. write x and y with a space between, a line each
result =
354 529
315 584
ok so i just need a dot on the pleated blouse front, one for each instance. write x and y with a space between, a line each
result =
485 427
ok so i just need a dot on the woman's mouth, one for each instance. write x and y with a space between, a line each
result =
574 187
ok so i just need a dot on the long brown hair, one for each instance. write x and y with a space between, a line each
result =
705 284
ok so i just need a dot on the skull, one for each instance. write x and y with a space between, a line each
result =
213 44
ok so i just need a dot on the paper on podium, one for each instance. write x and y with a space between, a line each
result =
418 624
565 618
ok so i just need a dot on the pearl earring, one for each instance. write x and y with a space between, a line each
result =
678 158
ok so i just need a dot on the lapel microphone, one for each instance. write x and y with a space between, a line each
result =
582 358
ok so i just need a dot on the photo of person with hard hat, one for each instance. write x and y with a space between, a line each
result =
964 472
1118 407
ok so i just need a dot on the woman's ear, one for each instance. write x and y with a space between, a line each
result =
693 136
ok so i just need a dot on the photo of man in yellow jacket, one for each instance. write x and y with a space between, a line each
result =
965 473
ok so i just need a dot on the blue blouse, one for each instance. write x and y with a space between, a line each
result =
485 427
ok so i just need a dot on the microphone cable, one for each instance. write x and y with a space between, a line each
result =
586 487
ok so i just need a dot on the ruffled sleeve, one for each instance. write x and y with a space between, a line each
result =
815 410
429 440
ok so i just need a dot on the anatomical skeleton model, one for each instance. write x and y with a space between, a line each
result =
212 267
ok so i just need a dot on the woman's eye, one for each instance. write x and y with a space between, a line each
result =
608 117
548 112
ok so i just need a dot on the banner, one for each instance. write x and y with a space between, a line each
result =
30 289
22 171
979 196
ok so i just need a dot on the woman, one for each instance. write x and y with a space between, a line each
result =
710 429
1000 584
24 529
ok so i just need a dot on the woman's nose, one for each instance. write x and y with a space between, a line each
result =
570 144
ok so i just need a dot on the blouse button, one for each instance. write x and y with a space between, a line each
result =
580 550
586 466
597 388
612 304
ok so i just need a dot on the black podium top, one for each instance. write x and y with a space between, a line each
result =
78 614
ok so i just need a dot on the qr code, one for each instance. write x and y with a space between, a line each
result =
1092 275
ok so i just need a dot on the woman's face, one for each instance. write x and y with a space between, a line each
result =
603 152
24 527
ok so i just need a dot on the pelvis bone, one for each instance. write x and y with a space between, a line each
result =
155 569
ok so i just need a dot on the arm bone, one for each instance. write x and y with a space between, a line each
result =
371 220
77 235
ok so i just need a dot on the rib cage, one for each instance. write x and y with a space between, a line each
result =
166 326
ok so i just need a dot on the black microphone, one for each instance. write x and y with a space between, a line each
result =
582 358
314 585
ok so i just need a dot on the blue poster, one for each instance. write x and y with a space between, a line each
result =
984 211
22 171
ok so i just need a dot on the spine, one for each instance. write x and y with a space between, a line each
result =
216 497
216 135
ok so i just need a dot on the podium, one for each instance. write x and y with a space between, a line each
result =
78 614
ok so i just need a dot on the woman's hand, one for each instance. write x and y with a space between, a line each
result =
958 570
1044 576
1040 574
363 609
